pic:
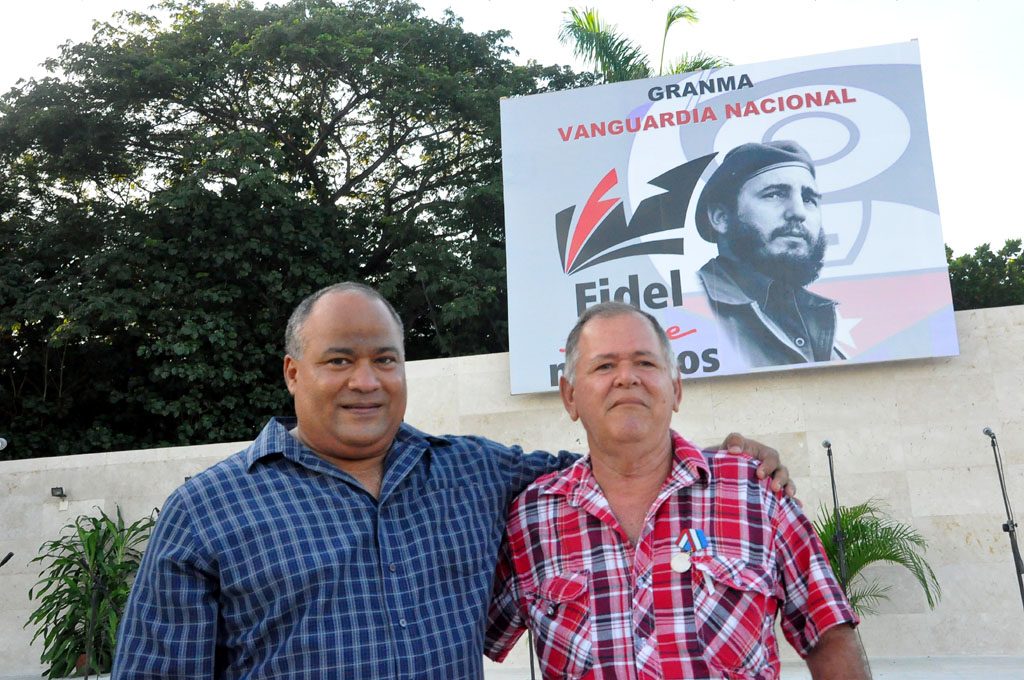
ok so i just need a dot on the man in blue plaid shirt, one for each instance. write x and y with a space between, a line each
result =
343 543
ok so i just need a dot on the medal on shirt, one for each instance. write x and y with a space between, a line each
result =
680 562
692 539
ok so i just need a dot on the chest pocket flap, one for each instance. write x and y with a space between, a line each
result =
559 613
735 572
564 588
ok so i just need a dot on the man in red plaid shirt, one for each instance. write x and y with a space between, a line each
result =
650 558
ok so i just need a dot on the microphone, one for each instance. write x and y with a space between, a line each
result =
4 560
826 444
988 432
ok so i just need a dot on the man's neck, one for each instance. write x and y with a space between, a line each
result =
369 472
631 476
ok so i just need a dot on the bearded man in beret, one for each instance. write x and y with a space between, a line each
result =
763 209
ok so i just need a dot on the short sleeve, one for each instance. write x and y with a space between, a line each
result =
813 599
505 620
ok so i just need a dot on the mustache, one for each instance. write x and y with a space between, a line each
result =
794 229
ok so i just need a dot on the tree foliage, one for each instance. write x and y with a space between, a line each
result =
615 57
182 179
987 278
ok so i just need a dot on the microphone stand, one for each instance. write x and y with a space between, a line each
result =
839 538
533 665
1010 526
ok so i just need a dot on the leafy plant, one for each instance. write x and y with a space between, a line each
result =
871 536
83 588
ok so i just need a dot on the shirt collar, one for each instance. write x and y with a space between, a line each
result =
735 283
688 465
272 440
755 285
276 439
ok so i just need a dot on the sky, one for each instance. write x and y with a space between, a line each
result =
971 54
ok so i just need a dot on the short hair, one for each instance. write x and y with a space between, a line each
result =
606 310
293 343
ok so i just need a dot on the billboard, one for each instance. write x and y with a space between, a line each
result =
772 216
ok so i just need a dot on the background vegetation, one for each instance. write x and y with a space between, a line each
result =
174 188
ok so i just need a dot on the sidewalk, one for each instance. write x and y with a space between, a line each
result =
931 668
906 668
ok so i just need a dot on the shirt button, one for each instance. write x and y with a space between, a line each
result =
402 623
392 567
551 610
800 342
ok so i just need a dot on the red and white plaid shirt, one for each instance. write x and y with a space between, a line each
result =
601 609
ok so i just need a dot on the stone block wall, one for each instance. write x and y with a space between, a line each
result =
907 433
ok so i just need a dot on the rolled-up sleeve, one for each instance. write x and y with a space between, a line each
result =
505 623
169 628
813 598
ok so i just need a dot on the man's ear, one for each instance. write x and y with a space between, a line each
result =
568 393
291 369
677 387
718 216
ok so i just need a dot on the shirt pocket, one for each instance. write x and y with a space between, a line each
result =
459 525
731 605
559 614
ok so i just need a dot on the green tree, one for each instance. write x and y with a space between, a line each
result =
871 537
987 278
180 181
615 58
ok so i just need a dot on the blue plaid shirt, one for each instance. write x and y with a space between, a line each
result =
276 564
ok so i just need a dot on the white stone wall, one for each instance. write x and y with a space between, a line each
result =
908 433
138 481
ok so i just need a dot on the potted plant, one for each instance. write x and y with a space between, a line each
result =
84 583
872 536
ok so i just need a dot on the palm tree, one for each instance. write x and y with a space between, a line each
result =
872 536
616 57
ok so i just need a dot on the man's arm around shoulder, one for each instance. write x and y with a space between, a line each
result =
838 656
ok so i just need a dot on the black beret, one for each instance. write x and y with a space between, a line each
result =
738 166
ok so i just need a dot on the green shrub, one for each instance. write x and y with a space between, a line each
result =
82 591
872 536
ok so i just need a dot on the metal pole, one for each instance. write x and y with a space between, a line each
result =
529 640
1010 526
840 539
